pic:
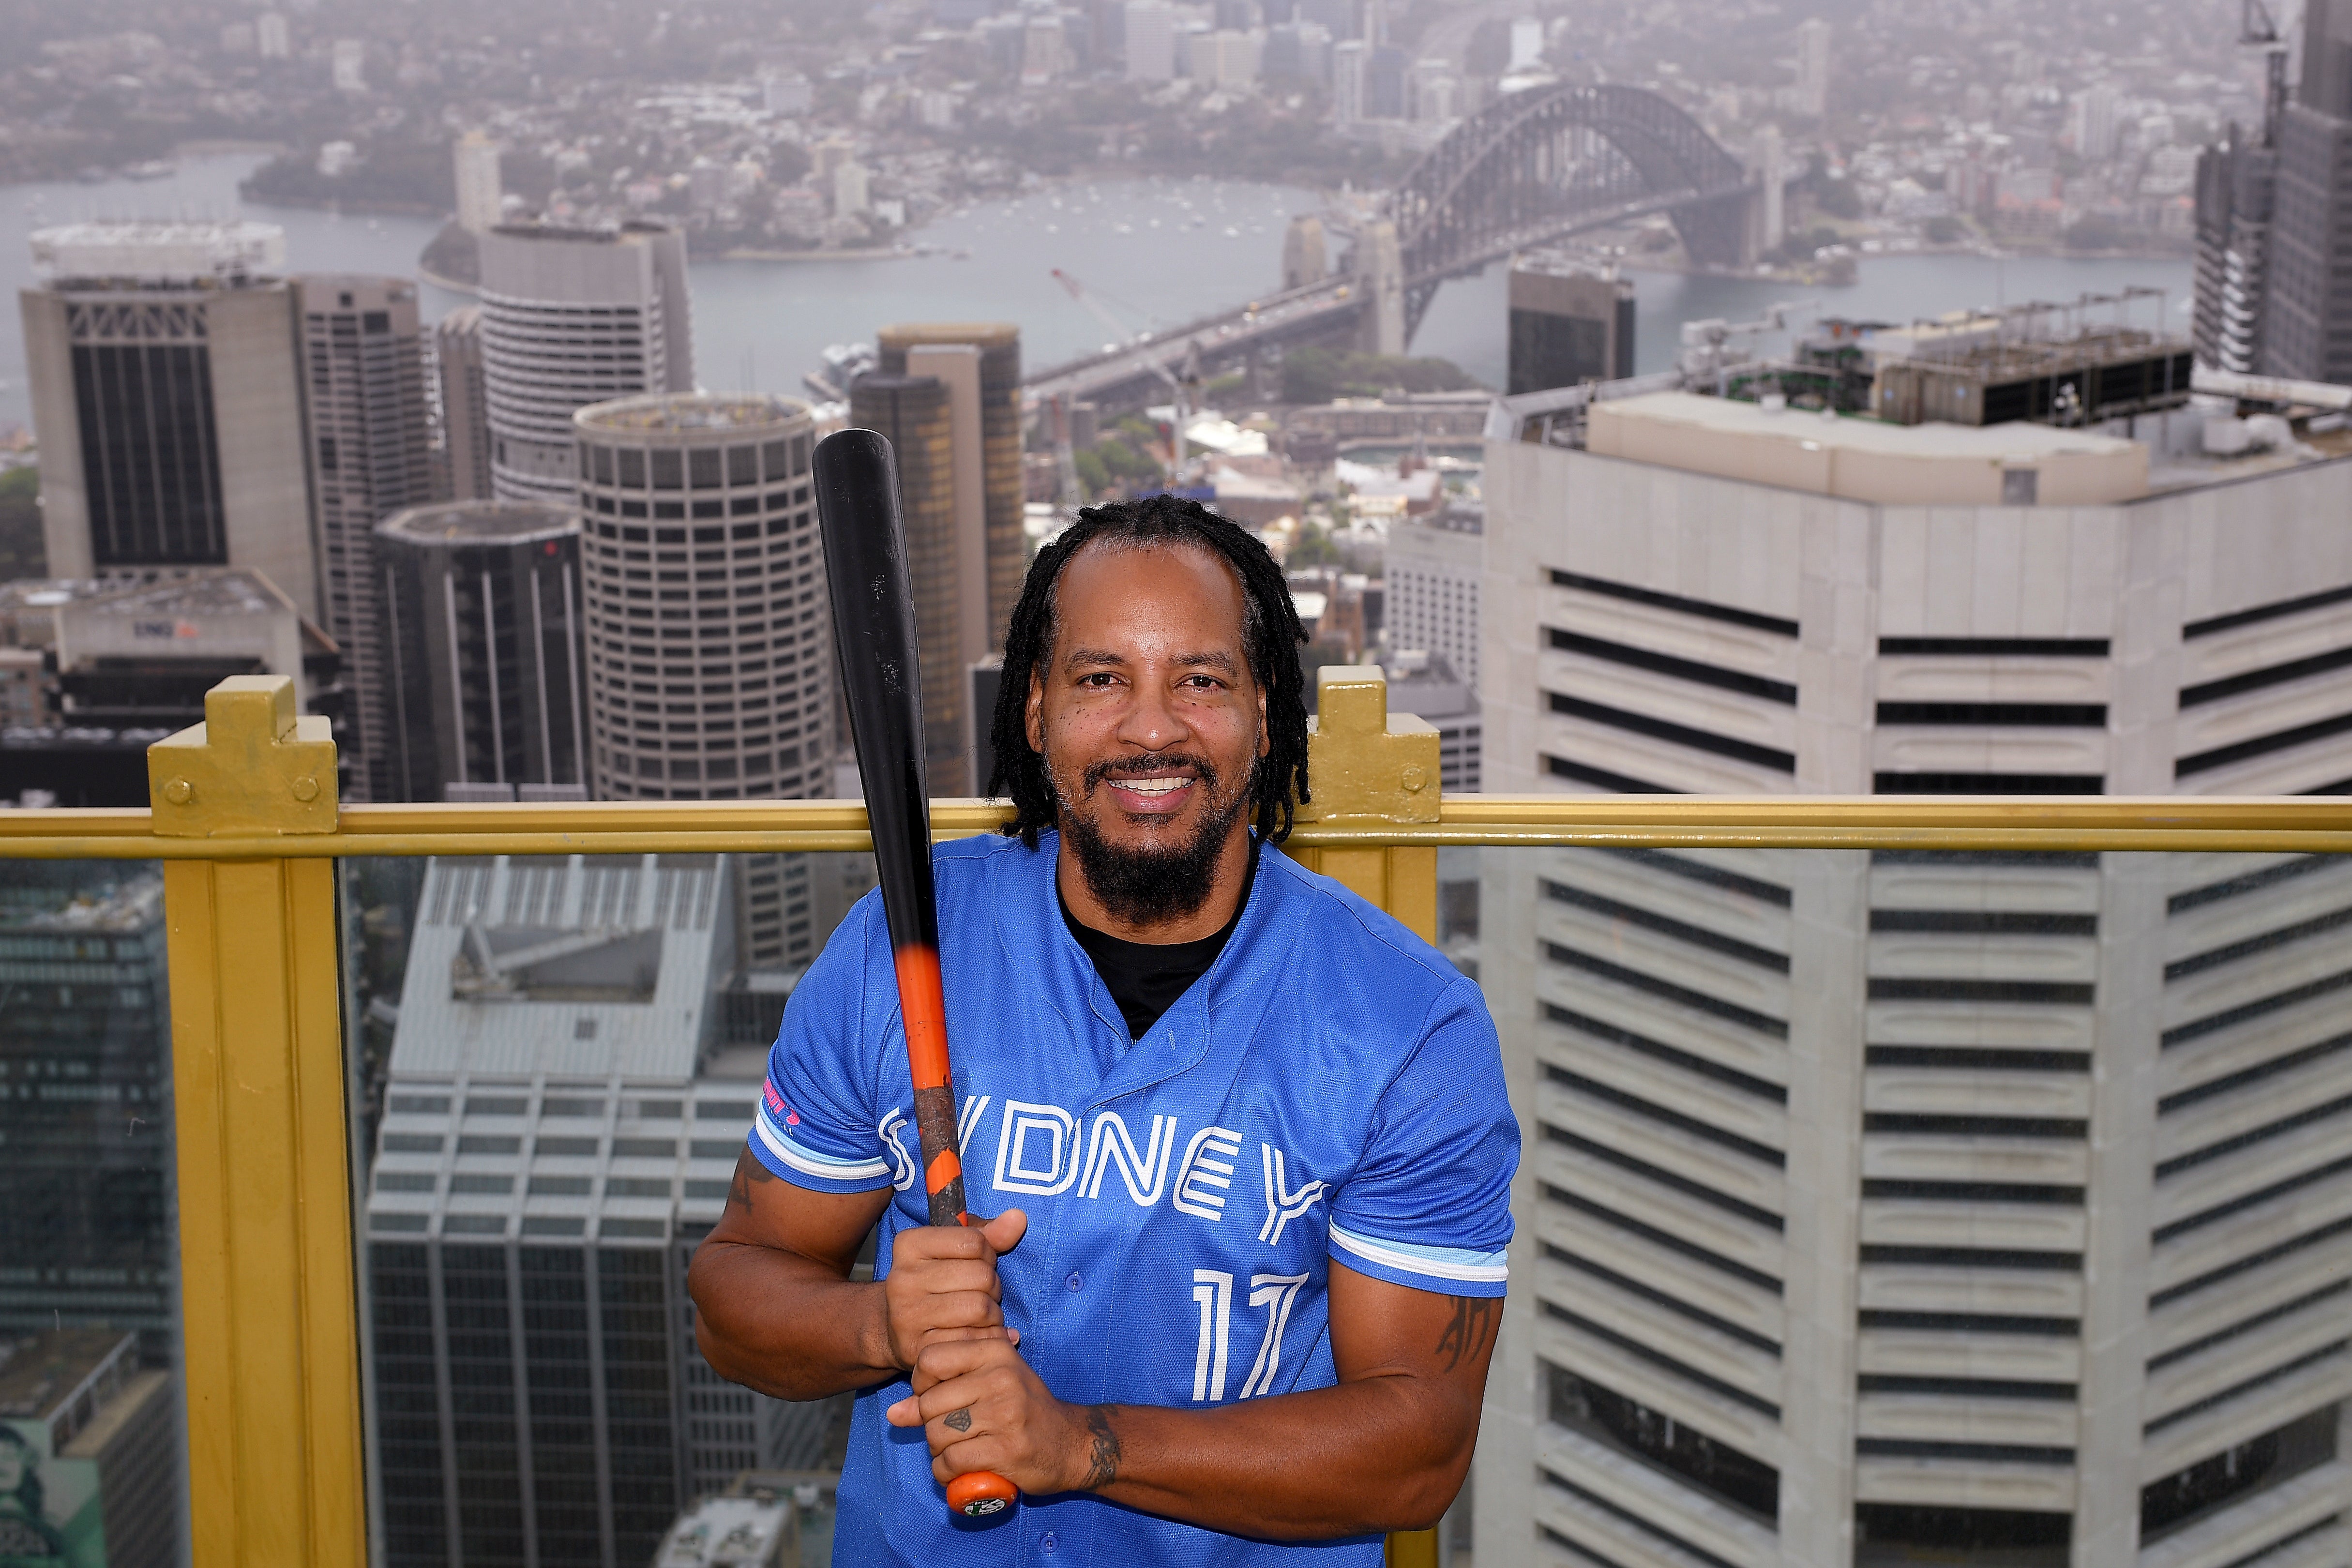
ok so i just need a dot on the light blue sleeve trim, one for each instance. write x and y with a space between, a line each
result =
769 1139
1453 1263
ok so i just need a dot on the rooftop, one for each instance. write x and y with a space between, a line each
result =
229 591
683 411
161 251
512 521
40 1373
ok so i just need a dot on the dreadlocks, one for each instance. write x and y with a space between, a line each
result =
1270 635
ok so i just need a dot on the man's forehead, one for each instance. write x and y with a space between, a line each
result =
1116 594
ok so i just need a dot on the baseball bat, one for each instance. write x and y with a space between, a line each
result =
857 480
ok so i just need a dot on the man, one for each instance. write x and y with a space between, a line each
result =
1248 1134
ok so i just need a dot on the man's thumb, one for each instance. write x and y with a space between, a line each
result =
1005 1231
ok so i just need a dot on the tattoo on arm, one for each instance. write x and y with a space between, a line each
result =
1103 1464
1467 1331
747 1171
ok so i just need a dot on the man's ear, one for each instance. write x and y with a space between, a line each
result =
1032 713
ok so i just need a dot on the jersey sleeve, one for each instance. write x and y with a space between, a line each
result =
816 1126
1429 1206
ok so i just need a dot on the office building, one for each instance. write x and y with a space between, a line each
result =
1767 165
97 1437
572 316
1351 66
1889 1207
1569 324
2237 189
1296 51
1342 19
485 651
2306 326
126 661
1423 684
86 1126
463 451
165 369
965 537
481 196
1434 569
568 1088
1384 81
371 454
711 653
1149 29
1813 67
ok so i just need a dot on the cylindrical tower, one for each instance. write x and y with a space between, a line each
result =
485 653
710 646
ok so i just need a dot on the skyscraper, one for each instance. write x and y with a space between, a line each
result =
2307 327
970 527
710 643
465 450
1569 324
916 414
484 649
1813 65
370 443
86 1128
566 1099
1149 27
167 395
572 316
1889 1206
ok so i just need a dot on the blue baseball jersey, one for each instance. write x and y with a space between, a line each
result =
1331 1089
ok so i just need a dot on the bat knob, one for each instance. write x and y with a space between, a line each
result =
980 1493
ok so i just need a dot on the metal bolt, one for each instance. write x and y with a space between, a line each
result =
306 788
179 792
1416 776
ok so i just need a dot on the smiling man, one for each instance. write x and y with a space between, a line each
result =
1247 1135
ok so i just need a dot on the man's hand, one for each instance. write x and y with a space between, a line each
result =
982 1408
942 1286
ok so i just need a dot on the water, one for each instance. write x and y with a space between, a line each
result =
1154 252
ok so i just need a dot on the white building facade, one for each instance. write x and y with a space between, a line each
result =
1883 1207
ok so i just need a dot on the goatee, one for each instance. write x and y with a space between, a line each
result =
1154 884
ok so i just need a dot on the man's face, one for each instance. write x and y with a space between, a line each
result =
1147 715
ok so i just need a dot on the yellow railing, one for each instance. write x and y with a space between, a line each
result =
244 818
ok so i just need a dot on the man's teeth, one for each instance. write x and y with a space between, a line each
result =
1151 787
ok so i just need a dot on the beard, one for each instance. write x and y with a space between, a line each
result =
1152 883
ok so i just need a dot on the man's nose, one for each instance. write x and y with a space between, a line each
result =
1152 721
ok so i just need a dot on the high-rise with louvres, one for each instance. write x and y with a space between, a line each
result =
1893 1206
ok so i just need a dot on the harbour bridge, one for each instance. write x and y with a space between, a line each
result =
1534 167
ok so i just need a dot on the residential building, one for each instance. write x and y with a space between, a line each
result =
481 195
572 316
1149 29
485 651
1350 62
710 658
1813 65
464 453
371 455
1887 1206
568 1088
1569 323
98 1439
164 362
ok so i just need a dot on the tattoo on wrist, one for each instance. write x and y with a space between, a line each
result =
1468 1329
960 1420
1102 1464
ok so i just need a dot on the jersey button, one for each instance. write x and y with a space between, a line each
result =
1074 1283
1049 1542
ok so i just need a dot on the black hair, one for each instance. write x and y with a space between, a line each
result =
1271 636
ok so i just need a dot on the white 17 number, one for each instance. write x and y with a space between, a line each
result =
1214 1290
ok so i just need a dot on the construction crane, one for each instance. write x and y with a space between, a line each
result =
2258 29
1178 387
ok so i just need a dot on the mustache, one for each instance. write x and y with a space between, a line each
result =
1149 765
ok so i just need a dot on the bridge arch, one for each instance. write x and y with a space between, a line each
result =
1520 171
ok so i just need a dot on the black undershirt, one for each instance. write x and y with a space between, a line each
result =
1146 978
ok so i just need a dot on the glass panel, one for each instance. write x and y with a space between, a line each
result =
561 1060
93 1453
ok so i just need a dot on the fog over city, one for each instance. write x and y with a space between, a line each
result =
1888 463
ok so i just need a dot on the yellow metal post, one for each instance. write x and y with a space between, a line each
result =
1368 767
268 1302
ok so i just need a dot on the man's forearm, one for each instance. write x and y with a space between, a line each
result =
1384 1453
786 1325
